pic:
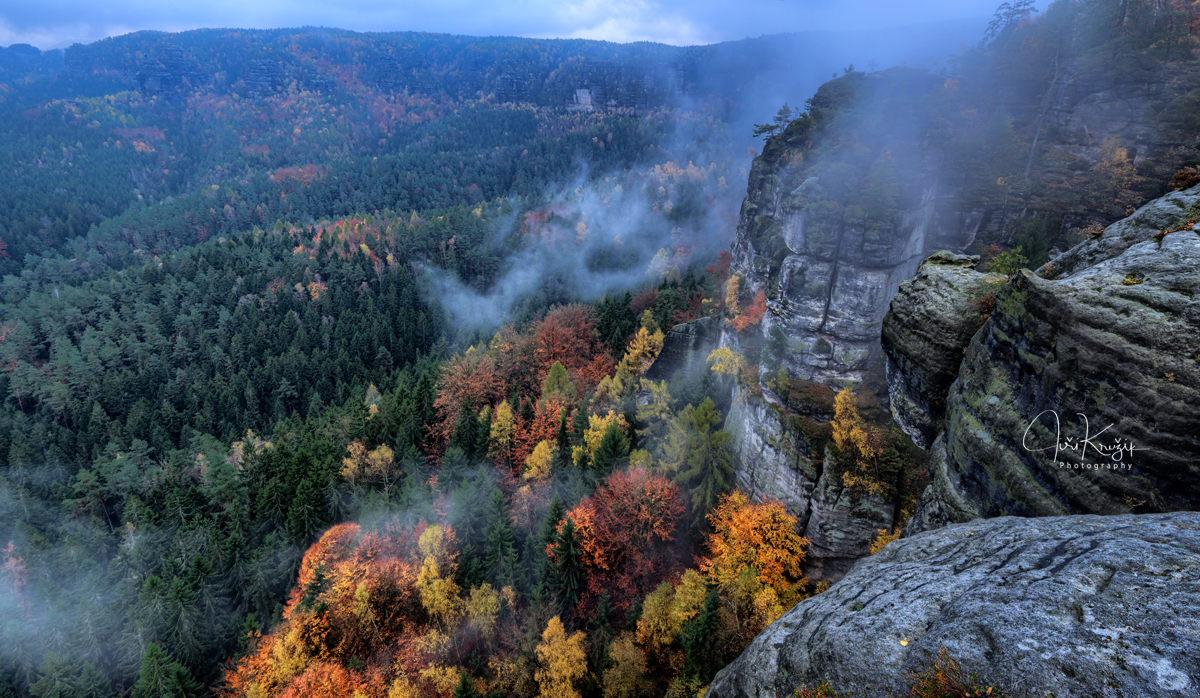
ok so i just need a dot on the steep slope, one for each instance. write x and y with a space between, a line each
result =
1052 128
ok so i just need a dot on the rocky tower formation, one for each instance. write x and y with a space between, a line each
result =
1062 606
1081 391
170 71
829 233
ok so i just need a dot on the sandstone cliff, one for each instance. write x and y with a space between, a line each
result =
1079 394
843 205
1063 606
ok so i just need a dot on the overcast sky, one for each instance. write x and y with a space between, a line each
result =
59 23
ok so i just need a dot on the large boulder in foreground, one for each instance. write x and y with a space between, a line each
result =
1059 606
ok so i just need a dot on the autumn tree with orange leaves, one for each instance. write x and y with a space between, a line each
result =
468 379
626 532
754 560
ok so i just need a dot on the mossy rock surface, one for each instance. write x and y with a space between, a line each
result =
1079 394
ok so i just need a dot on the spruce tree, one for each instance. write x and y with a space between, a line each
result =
483 432
466 433
562 441
696 639
162 677
613 447
465 689
500 558
543 581
579 423
566 570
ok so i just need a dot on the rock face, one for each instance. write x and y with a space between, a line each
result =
263 77
170 71
1064 606
828 261
841 527
685 349
773 463
776 464
934 315
1080 393
839 212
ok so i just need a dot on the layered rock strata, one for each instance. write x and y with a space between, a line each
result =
1081 391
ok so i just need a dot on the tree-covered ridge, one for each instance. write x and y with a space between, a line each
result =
94 178
239 332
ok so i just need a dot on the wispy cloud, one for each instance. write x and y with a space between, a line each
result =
58 23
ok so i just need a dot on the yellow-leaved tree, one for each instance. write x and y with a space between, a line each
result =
645 345
440 595
853 442
626 675
540 462
500 437
761 537
733 287
562 661
377 466
725 361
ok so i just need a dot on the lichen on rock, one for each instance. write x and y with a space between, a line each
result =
1062 606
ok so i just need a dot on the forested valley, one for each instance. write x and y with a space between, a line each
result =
322 355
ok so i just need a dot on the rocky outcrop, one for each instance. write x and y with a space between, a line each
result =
170 71
263 77
933 317
777 464
841 526
773 462
1063 606
1081 392
828 258
685 349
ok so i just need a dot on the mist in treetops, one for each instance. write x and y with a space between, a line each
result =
322 351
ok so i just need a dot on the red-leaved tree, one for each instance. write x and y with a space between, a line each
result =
627 535
468 379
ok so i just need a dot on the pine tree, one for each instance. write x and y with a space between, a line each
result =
613 447
483 432
543 579
465 689
562 441
579 423
600 632
58 677
466 432
696 639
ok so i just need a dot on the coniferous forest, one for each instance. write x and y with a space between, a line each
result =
322 354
